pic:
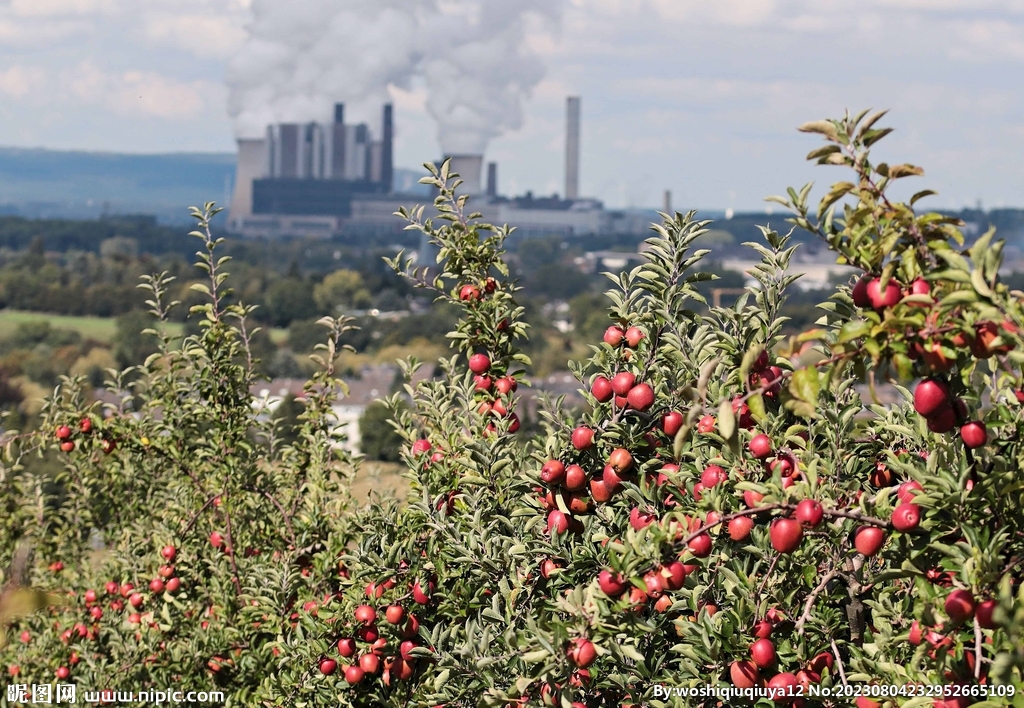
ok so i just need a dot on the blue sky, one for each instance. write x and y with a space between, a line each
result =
698 97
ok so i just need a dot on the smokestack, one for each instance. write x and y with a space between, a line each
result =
469 169
668 202
337 141
252 164
492 179
387 156
572 148
339 114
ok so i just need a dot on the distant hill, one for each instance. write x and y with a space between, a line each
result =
38 183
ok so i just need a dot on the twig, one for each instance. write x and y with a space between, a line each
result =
729 517
839 661
768 574
196 516
231 552
284 514
977 648
806 614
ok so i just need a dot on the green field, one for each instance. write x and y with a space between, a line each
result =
102 329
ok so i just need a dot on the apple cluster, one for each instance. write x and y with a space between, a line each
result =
65 435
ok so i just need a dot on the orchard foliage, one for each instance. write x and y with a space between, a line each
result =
733 507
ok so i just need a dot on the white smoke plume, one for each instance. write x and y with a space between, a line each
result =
302 56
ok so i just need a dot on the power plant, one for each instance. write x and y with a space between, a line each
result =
322 180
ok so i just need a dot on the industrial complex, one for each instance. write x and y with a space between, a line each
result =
323 180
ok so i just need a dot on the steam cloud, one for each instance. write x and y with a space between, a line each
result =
302 56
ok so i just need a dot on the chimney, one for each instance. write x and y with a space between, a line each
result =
667 208
492 179
339 113
469 169
572 148
252 164
387 155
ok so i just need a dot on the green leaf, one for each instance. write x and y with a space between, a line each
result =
854 329
726 419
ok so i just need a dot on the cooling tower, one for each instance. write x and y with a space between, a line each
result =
470 170
252 164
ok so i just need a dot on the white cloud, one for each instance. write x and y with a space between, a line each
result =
201 35
143 93
19 81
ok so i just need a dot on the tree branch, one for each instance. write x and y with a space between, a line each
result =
809 604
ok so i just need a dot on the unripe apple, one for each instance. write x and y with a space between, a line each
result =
633 337
931 397
881 299
762 652
623 382
712 475
479 363
740 528
785 535
809 513
760 446
906 517
744 674
602 389
974 434
706 424
960 605
347 647
860 292
869 540
984 614
582 438
620 460
575 478
672 423
640 397
906 491
553 472
614 335
700 546
354 674
611 583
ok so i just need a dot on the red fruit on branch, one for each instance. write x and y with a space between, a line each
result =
740 528
135 600
394 614
744 674
640 397
860 292
784 685
67 446
108 446
421 596
943 421
354 674
63 432
469 292
602 389
869 540
612 479
959 605
553 472
216 539
369 663
558 522
882 298
169 553
785 535
614 335
421 446
482 383
760 446
85 425
712 475
63 672
111 587
575 478
700 546
156 585
974 434
479 363
906 517
671 423
762 629
583 438
907 490
623 382
640 520
173 585
364 614
809 513
633 337
752 498
762 652
920 286
931 397
984 614
347 647
600 492
674 574
582 653
621 460
611 583
706 424
915 634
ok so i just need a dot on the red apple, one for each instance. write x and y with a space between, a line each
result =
762 652
620 460
881 299
599 491
785 535
915 634
960 605
611 583
740 528
67 446
469 292
712 475
394 614
169 553
640 520
760 446
156 585
582 653
943 421
860 292
974 434
752 498
809 513
575 478
347 647
63 432
558 522
623 382
906 517
906 491
354 674
930 397
602 389
869 540
633 337
706 424
479 363
984 614
762 629
700 546
784 685
135 600
640 397
614 335
553 472
173 585
582 438
672 423
611 478
506 385
369 663
63 672
365 614
744 674
482 383
216 539
674 574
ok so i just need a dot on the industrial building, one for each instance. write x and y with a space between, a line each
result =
321 180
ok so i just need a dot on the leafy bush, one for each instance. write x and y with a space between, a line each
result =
728 512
